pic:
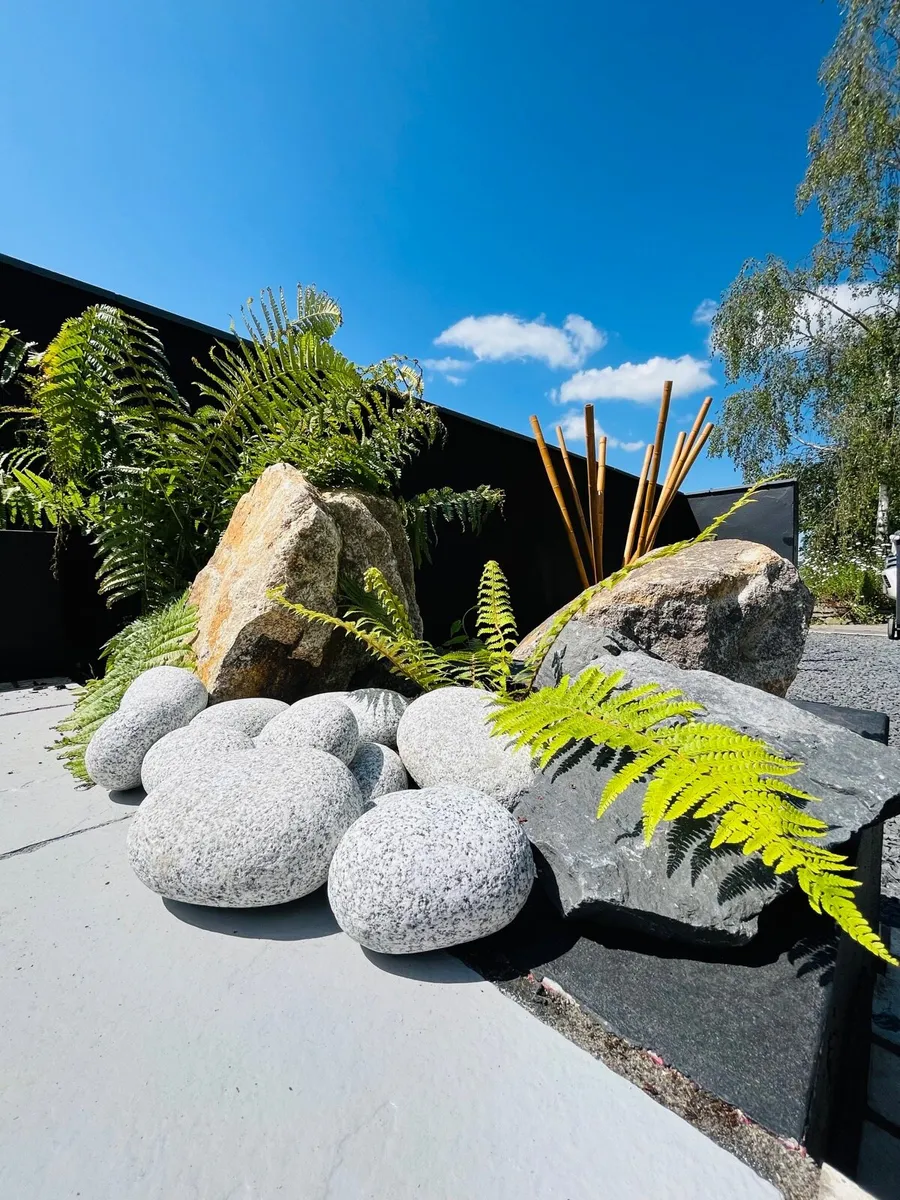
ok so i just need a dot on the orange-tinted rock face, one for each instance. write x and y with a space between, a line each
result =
283 533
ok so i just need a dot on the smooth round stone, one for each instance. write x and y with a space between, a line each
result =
378 770
250 716
192 747
443 870
378 712
444 737
116 751
320 723
260 827
176 686
440 791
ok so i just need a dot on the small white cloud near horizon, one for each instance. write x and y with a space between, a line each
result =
447 364
705 311
499 337
572 424
640 382
456 380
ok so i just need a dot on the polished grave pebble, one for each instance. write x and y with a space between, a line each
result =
175 686
430 873
194 747
321 722
116 751
378 770
259 827
378 712
444 737
250 716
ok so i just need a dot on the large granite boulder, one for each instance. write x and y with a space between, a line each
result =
443 737
258 827
191 746
729 606
286 532
429 873
677 886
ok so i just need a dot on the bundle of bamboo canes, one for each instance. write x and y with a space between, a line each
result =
652 500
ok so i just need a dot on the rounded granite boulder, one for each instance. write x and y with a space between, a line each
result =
424 875
249 716
177 687
116 751
259 827
318 722
192 747
378 770
444 737
378 712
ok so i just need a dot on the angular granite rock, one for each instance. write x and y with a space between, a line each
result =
378 771
676 886
728 606
408 877
443 737
321 722
285 532
248 716
193 746
259 828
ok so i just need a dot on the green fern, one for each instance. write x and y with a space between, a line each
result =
693 769
423 512
161 639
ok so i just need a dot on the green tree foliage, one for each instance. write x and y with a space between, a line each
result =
104 442
818 344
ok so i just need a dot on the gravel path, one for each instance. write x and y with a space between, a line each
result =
860 672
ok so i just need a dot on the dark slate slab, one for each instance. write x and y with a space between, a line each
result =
778 1027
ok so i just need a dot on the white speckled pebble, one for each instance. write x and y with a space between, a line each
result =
378 770
250 716
260 828
176 686
443 737
440 791
114 754
378 712
321 723
195 747
426 875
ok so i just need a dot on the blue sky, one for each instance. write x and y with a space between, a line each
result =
543 194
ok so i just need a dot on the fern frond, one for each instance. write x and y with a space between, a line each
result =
693 769
160 639
423 513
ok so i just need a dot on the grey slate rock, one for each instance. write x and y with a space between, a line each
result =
378 712
409 877
249 716
175 686
443 737
321 722
259 828
116 751
377 770
192 747
676 886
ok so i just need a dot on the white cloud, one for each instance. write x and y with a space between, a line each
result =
572 424
818 314
447 364
704 312
638 381
499 337
456 380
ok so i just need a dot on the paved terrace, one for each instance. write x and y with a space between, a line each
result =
158 1051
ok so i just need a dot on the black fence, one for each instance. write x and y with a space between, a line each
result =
53 622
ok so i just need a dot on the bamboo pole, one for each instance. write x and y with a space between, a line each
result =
638 505
664 497
570 471
650 498
601 506
695 428
560 499
591 453
687 461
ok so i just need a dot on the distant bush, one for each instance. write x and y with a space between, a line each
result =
850 588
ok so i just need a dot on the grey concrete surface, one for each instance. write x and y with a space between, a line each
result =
164 1052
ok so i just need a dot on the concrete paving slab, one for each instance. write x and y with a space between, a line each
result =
38 798
155 1050
36 693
